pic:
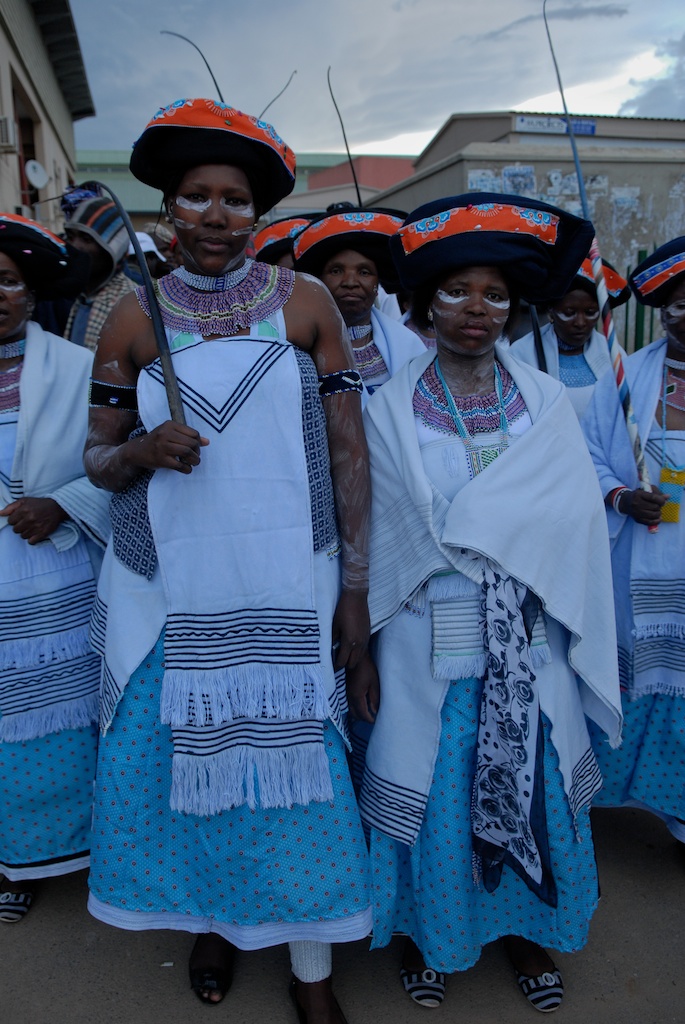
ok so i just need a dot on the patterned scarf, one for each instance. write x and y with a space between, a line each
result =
508 812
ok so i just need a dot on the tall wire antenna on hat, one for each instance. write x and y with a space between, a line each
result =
603 295
178 35
349 155
278 95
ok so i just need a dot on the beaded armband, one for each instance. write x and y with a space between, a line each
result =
337 383
112 396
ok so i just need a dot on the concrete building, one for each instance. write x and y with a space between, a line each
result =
634 171
43 90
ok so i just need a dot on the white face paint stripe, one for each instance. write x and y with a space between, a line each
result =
458 299
676 310
240 210
12 290
566 318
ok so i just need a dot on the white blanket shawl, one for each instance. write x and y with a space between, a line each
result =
648 574
54 405
538 513
48 674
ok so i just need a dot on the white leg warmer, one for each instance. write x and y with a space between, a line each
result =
311 961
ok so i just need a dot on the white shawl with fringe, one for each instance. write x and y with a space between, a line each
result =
538 513
245 605
48 673
648 573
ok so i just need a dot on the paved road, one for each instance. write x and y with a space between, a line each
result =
60 966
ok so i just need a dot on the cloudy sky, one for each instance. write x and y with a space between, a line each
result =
399 67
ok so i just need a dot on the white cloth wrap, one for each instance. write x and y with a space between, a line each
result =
51 432
522 513
48 673
395 342
648 570
234 543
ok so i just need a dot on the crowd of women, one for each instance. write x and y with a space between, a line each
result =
503 619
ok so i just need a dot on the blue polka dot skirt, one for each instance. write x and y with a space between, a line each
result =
428 891
258 877
46 794
649 766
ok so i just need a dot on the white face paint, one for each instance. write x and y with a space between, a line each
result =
245 209
566 318
501 306
676 310
240 209
13 290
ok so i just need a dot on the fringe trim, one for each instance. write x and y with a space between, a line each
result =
653 689
212 697
31 725
440 587
264 778
447 586
40 650
540 654
648 632
459 666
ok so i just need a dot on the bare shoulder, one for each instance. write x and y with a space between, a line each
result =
127 342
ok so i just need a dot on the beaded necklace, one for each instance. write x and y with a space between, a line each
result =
13 349
215 284
674 390
478 456
359 331
569 350
9 388
369 361
480 413
672 477
196 304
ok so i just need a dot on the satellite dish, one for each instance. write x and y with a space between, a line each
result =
36 174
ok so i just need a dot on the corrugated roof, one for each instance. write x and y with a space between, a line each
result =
56 24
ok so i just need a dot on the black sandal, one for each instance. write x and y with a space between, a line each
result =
301 1015
207 976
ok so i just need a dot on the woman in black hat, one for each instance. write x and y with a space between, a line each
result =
492 637
232 574
649 768
349 251
274 243
53 523
573 350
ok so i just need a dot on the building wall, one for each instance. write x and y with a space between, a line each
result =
458 132
28 86
373 171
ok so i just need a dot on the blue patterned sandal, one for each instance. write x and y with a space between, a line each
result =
545 992
427 987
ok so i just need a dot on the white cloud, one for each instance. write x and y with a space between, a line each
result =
400 67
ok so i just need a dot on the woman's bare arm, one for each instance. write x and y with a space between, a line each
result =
112 461
332 352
